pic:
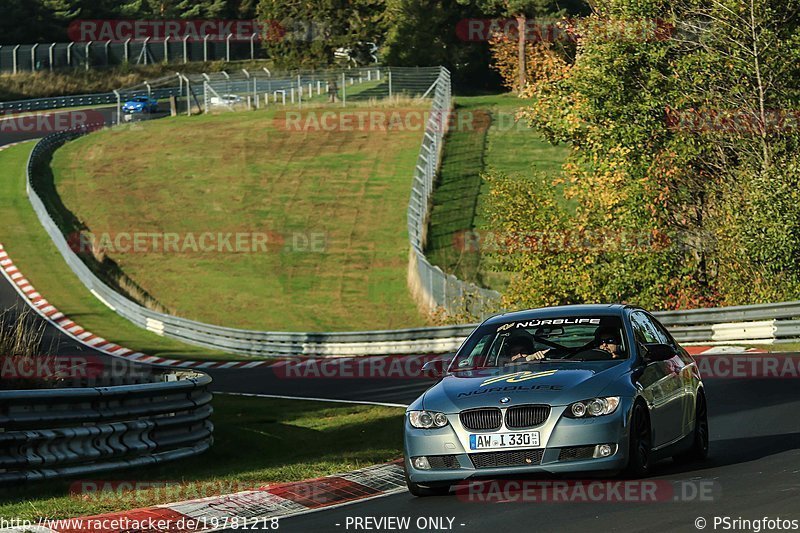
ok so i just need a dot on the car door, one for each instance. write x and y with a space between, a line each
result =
661 383
684 365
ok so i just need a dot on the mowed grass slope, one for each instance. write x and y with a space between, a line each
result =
38 259
332 203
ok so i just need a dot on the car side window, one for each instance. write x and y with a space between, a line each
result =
662 332
644 330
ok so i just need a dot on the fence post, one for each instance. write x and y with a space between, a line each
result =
126 50
205 48
69 54
51 55
299 91
166 50
106 54
33 56
14 58
253 46
228 48
88 52
185 51
119 107
389 78
344 90
188 97
145 50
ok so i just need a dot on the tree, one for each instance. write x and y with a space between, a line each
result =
688 134
521 11
310 32
421 33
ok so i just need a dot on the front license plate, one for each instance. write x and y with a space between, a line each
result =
489 441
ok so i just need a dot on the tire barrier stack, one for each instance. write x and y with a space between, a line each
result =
54 433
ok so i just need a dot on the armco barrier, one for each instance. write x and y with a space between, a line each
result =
758 323
63 432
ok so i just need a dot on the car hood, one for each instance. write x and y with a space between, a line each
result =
548 383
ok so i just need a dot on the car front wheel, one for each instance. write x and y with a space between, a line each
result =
639 450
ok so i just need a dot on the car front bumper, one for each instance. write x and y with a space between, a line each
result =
557 433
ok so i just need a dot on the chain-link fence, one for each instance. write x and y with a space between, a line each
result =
16 58
435 290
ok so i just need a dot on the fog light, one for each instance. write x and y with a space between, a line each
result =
421 463
603 450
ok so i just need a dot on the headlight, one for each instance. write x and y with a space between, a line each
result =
427 419
593 407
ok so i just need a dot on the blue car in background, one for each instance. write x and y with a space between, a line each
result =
140 104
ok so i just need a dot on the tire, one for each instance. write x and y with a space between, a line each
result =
421 491
699 450
640 448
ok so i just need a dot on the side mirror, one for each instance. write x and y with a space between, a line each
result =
435 369
658 352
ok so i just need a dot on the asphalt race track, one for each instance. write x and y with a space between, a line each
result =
754 464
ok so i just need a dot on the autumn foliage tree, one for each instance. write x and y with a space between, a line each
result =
687 137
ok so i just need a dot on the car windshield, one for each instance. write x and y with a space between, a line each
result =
561 339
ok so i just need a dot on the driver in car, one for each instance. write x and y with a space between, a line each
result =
606 339
518 348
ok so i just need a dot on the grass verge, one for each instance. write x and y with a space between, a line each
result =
469 150
37 258
331 202
256 441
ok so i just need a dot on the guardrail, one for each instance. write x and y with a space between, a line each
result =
58 102
63 432
432 288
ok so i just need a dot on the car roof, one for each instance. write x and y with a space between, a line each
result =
579 310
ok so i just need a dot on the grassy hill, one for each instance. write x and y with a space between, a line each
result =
331 203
